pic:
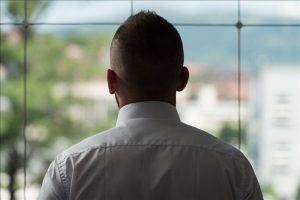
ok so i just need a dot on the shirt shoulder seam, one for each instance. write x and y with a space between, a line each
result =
64 157
62 177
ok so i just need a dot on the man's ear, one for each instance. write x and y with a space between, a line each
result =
183 79
111 81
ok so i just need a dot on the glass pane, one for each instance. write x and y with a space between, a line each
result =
12 110
67 90
2 15
269 46
210 100
272 12
12 11
192 11
79 11
271 57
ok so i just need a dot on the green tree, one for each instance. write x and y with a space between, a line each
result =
47 65
16 9
269 192
229 134
11 120
298 193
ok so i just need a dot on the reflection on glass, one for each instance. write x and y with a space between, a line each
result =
273 134
272 12
80 11
12 111
198 11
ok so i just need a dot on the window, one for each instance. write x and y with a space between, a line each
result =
244 88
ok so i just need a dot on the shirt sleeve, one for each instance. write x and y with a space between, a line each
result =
52 187
250 186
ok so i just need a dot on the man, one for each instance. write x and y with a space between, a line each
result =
150 154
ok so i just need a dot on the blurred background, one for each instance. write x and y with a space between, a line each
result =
244 86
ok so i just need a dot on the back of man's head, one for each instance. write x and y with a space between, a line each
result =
147 55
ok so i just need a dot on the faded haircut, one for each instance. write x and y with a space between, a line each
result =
150 54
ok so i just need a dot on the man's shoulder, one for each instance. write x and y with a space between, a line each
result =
97 141
211 144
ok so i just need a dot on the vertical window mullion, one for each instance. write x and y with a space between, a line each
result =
25 29
0 101
239 26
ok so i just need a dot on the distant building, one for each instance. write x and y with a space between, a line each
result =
274 135
96 105
214 100
207 112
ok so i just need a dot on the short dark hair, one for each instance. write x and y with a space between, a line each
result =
150 53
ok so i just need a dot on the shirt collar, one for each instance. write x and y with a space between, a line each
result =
147 110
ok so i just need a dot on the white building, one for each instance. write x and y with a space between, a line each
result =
208 112
274 129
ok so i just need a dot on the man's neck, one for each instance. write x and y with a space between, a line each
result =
125 101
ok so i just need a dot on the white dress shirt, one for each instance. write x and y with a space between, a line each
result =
150 155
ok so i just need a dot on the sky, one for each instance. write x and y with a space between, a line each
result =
118 11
